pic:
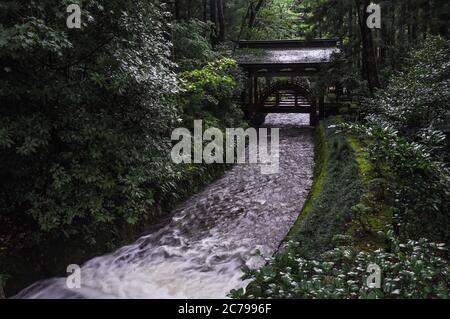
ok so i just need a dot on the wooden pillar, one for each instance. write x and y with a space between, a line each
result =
313 112
277 99
296 98
255 87
243 97
250 110
250 90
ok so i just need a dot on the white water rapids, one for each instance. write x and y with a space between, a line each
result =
199 252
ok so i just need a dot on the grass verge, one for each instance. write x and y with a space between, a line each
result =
346 197
373 213
321 156
336 189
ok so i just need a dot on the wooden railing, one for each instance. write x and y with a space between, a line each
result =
295 85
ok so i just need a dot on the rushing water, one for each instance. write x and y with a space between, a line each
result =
199 252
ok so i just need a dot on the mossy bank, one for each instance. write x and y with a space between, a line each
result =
343 229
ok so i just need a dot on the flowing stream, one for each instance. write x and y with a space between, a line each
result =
199 251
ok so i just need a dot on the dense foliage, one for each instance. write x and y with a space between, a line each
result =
407 125
86 119
192 46
416 98
416 269
80 127
209 94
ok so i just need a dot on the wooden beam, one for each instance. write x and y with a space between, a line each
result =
274 44
255 88
279 67
286 73
284 109
313 113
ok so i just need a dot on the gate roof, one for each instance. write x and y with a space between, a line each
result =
285 53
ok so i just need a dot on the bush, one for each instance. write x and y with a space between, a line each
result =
84 114
406 125
192 46
209 94
416 269
85 117
417 99
418 182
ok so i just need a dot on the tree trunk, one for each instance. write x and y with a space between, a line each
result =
189 10
205 11
177 9
350 32
444 18
218 20
213 18
221 21
254 9
212 10
368 53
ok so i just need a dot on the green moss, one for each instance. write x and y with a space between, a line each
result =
372 214
347 196
321 156
336 189
365 167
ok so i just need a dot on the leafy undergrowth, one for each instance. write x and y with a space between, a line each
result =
412 270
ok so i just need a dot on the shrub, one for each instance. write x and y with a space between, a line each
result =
415 269
418 182
416 99
83 115
209 93
406 125
192 47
